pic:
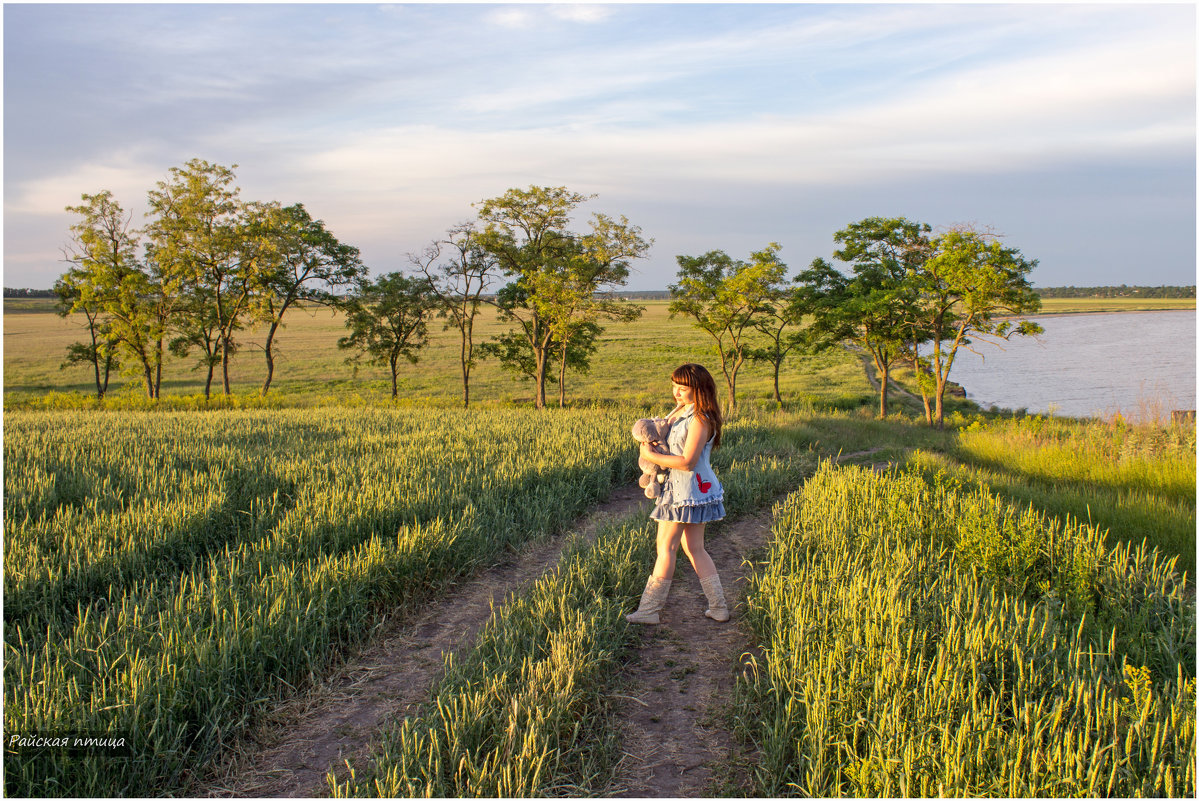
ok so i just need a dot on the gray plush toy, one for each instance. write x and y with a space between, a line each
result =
652 431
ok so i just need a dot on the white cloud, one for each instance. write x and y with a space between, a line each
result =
582 12
1096 103
125 175
510 18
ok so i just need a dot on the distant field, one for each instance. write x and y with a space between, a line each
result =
633 364
1084 305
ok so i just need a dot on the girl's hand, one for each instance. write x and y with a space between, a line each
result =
646 453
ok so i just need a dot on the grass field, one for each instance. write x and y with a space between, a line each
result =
632 365
311 370
922 639
1009 611
1097 305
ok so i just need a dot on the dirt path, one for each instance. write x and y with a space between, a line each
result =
674 722
872 377
290 754
676 712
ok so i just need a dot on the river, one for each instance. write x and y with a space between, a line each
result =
1088 365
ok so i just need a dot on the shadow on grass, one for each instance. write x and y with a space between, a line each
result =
1128 515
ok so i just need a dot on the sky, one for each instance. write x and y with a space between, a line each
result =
1069 129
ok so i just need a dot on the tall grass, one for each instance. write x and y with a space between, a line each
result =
523 713
168 576
1136 481
931 640
527 711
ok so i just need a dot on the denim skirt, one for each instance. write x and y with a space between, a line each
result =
665 509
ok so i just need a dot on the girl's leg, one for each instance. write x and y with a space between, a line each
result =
653 598
669 535
705 568
693 546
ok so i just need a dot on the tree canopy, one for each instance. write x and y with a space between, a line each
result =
724 296
557 278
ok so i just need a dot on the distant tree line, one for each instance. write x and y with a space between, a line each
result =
208 265
904 289
9 292
1122 291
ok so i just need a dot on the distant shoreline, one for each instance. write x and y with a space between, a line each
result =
1077 312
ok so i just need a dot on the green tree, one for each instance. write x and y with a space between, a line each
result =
573 298
76 296
725 296
107 276
102 248
302 262
197 327
779 326
876 308
969 287
555 274
142 304
199 232
388 319
458 283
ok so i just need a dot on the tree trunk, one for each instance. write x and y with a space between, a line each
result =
99 388
466 354
107 372
737 362
208 381
395 390
143 355
941 402
96 360
562 380
539 390
777 396
730 380
270 357
225 362
158 371
884 370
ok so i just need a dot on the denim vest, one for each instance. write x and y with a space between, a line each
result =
692 487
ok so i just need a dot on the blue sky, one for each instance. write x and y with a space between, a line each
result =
1068 128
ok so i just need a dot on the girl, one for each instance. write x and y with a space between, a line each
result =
691 498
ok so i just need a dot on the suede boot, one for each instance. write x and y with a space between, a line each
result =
718 610
652 601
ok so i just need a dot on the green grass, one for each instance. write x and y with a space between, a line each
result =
924 640
632 366
1138 482
1097 305
169 575
527 711
173 574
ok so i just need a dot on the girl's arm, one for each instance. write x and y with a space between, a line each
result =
697 435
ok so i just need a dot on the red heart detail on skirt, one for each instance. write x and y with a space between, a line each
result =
704 486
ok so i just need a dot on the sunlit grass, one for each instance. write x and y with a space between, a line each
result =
923 639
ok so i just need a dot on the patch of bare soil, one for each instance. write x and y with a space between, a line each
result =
291 752
674 715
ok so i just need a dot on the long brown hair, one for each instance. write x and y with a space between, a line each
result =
697 377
